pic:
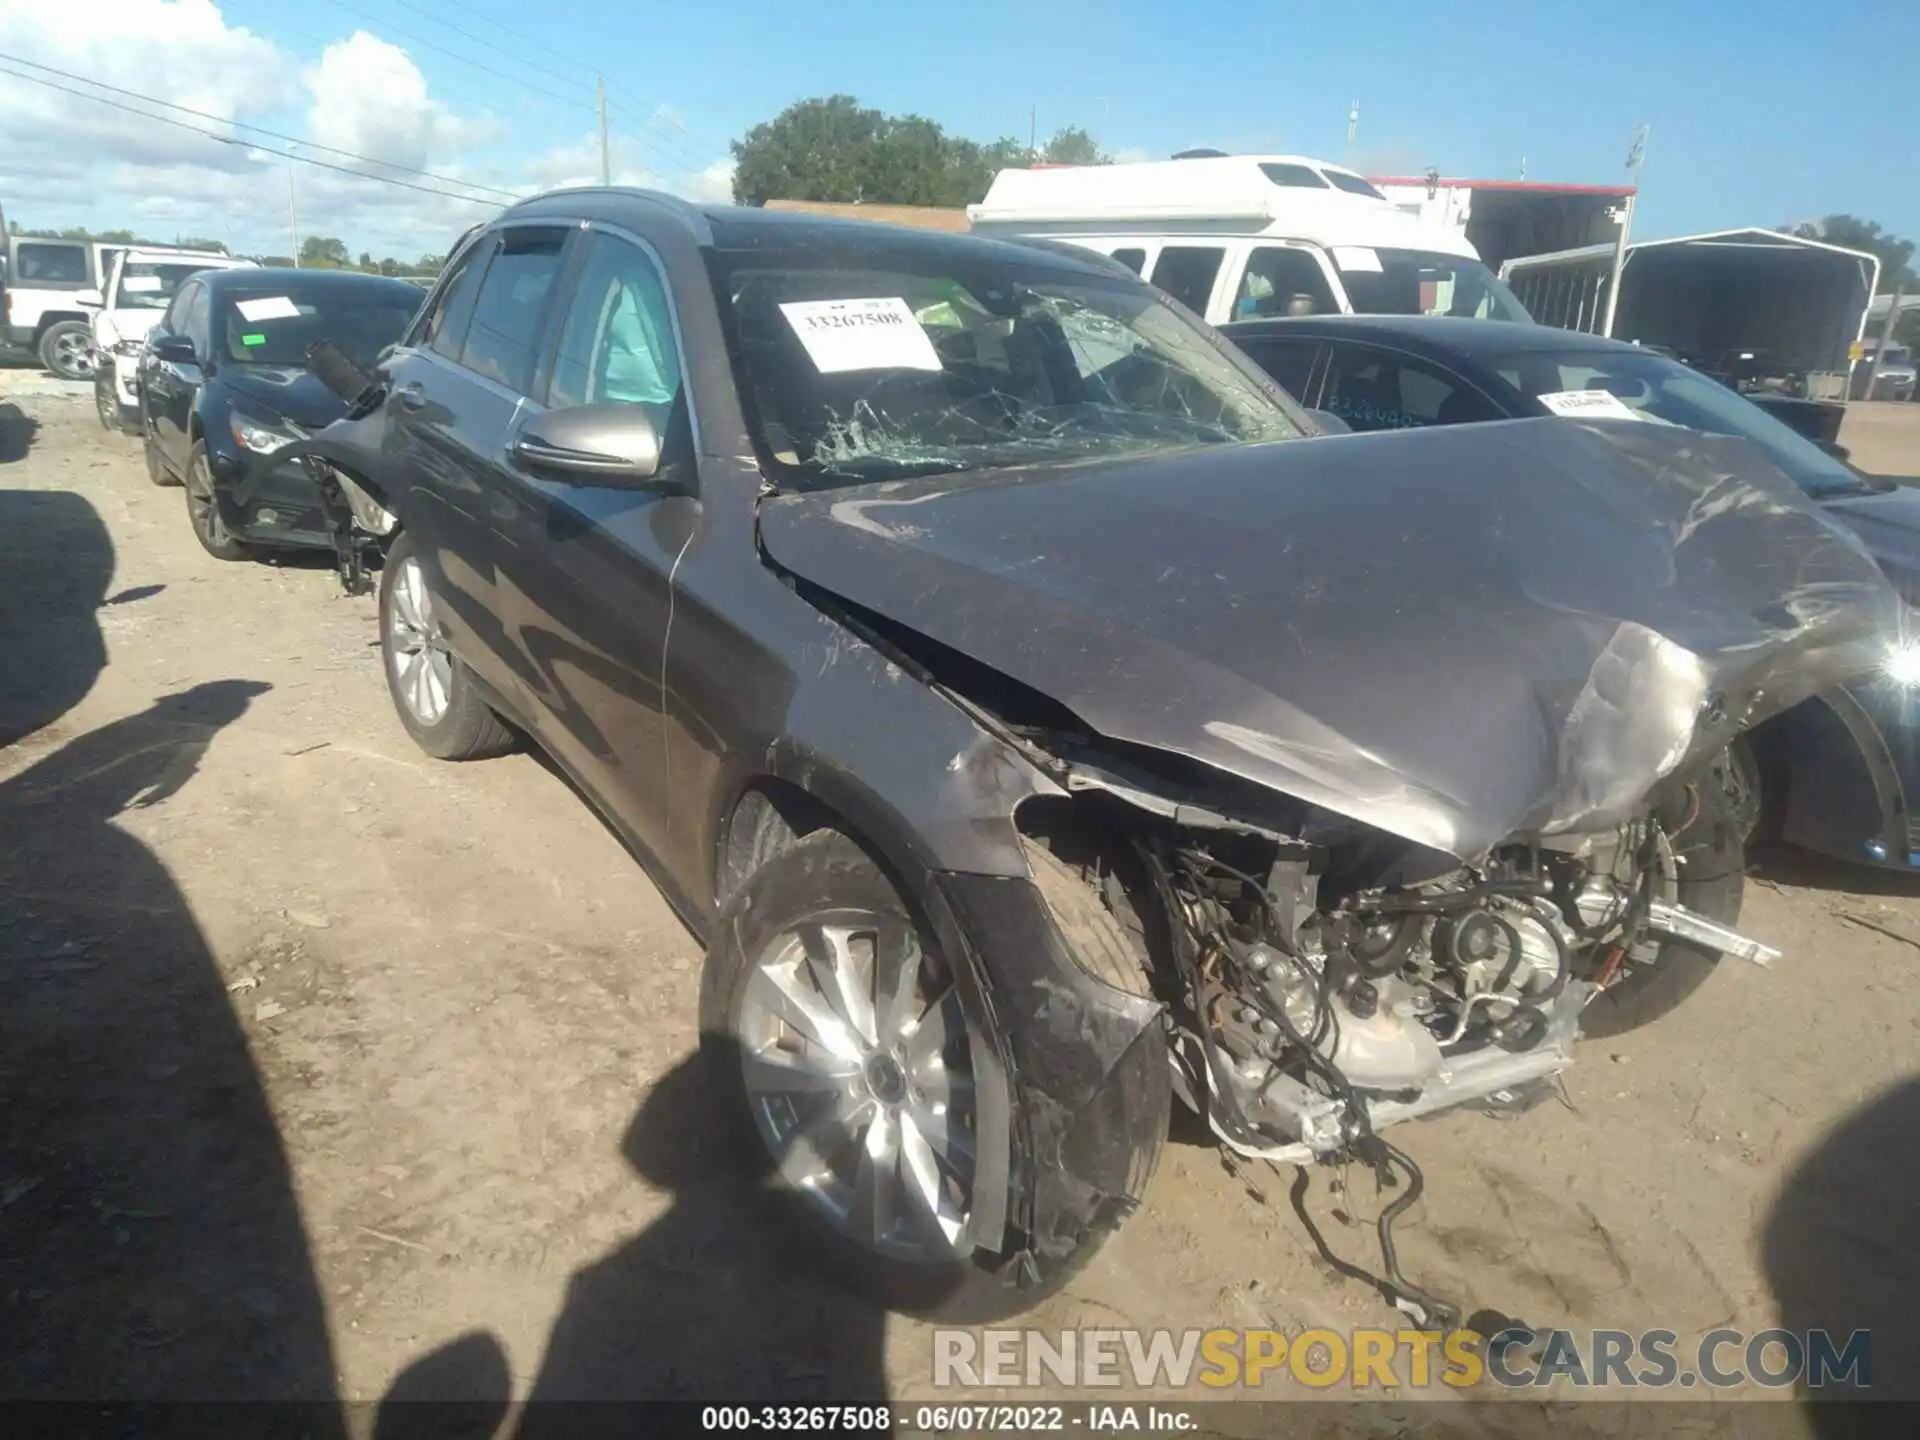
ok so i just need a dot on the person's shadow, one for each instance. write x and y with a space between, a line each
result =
715 1301
153 1246
1841 1253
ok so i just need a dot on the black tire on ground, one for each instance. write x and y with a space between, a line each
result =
828 873
67 350
1712 854
106 404
204 515
467 729
157 470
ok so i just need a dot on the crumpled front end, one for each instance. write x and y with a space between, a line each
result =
1455 636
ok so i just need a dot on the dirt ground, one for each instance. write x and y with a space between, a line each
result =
331 1070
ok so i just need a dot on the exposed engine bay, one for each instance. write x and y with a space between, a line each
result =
1313 1001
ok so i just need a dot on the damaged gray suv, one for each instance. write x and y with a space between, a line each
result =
1042 723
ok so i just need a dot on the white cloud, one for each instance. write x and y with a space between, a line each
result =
178 51
578 163
66 159
369 98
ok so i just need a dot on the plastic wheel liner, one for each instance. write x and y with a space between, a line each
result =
1461 636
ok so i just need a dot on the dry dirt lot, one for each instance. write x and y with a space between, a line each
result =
328 1068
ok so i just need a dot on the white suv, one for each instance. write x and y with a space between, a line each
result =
139 288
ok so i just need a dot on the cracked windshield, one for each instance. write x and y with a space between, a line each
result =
896 367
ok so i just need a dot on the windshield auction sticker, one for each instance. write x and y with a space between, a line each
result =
871 334
1588 405
271 307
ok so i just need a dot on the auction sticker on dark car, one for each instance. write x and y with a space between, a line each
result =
871 334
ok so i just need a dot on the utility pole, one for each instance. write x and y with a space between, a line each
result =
293 218
1033 134
1353 128
1886 339
606 153
1636 156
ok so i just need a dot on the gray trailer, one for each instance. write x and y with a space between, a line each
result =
1770 313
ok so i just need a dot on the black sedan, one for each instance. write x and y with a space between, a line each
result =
224 380
1839 774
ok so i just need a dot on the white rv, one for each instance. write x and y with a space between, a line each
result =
1235 237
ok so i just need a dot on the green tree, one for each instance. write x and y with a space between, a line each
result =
812 150
201 242
1074 146
1854 233
429 264
835 149
323 252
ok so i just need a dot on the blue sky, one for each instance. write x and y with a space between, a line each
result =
1759 114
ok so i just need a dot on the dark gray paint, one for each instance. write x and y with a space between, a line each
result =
1456 636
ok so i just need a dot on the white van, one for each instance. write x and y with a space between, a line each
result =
139 286
1237 237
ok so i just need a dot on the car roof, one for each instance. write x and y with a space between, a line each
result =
255 277
1442 337
747 228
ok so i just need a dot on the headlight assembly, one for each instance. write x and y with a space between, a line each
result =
256 435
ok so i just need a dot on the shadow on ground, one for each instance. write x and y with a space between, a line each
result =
717 1300
17 431
1838 1248
152 1248
1784 864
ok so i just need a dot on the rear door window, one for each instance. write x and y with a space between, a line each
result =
511 308
1187 273
445 328
1375 389
42 263
1134 259
1289 362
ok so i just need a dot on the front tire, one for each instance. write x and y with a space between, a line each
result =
203 512
1711 850
431 689
106 404
67 350
837 1038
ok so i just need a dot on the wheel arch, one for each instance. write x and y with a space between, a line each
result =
50 318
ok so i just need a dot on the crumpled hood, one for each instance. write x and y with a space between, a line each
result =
277 392
1888 523
1459 636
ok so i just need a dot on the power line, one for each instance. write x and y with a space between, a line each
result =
446 24
468 60
322 43
454 54
508 195
579 64
226 140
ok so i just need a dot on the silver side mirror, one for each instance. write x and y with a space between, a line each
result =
591 444
1329 423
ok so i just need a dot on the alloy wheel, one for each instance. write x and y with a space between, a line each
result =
73 355
854 1048
201 510
417 649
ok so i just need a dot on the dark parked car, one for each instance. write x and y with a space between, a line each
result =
1034 724
224 379
1839 774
